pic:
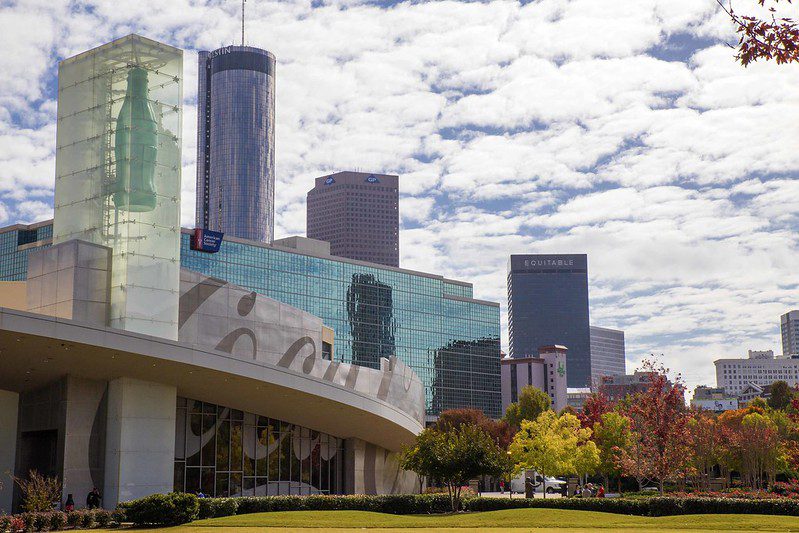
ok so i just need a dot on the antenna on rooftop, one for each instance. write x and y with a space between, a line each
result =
242 22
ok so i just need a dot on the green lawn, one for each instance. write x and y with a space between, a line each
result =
524 519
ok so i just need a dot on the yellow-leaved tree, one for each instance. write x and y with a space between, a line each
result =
554 445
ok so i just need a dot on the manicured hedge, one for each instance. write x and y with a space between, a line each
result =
173 509
656 506
391 504
162 509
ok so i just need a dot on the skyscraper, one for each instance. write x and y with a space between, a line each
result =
236 142
358 214
548 304
607 353
789 328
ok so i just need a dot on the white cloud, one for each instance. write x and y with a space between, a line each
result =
554 126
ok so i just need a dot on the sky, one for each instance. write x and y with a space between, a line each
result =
624 130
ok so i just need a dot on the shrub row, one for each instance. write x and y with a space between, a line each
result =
656 506
173 509
390 504
56 520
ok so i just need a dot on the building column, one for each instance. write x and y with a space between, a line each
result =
140 440
9 408
84 436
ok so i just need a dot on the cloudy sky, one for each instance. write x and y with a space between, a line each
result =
624 130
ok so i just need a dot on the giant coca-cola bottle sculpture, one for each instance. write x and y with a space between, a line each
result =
135 147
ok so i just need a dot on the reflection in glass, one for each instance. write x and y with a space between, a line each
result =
370 311
239 457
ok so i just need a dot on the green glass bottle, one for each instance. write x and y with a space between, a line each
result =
135 147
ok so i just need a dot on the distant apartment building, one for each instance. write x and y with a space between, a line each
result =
618 387
713 399
761 368
607 353
576 397
789 329
546 372
358 214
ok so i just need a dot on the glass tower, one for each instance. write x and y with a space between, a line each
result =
236 142
118 173
548 304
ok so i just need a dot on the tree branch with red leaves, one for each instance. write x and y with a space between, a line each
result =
774 39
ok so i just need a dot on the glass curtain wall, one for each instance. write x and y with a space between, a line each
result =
226 452
118 169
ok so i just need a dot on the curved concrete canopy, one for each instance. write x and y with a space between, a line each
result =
37 349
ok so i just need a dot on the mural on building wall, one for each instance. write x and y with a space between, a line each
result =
222 316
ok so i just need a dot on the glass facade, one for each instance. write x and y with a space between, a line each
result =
236 142
451 342
607 353
547 305
225 452
449 339
118 169
14 252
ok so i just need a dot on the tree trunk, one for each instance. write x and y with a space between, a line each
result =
660 485
451 496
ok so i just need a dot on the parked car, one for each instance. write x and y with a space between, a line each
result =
549 484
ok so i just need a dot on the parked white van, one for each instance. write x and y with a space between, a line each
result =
540 484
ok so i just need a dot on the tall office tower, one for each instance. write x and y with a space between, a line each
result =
548 305
607 353
789 327
236 142
358 214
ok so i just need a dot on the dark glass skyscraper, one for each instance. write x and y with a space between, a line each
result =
358 214
236 142
548 304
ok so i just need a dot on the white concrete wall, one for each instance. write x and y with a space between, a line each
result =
9 406
140 440
83 438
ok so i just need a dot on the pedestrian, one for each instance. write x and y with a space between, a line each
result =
501 487
600 493
93 499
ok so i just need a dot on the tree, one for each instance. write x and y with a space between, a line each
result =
532 402
553 445
763 453
612 435
594 407
660 419
451 419
454 457
706 443
637 460
781 395
775 38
